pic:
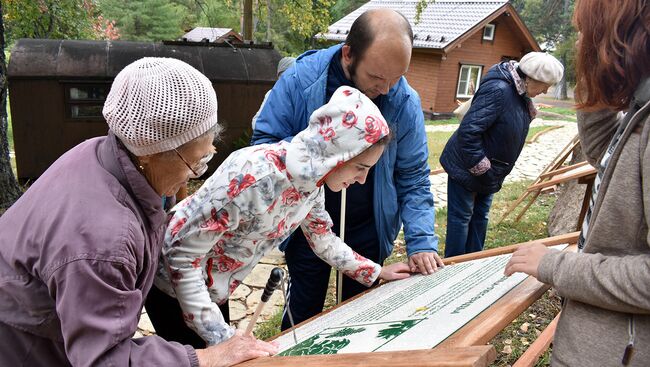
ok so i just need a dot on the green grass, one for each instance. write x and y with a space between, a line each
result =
531 226
436 141
564 113
570 112
269 328
10 134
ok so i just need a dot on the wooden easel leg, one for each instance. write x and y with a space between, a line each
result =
532 200
541 344
554 165
512 207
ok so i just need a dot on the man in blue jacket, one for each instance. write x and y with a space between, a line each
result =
374 59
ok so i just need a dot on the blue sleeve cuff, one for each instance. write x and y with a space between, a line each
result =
430 245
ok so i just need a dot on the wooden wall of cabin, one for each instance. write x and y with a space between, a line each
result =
424 76
42 133
508 42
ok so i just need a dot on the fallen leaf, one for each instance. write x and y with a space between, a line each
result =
524 341
524 327
507 341
507 349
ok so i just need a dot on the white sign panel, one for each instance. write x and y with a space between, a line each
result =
414 313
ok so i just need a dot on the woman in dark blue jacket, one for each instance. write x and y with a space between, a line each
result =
483 151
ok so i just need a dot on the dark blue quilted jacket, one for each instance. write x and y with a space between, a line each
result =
495 127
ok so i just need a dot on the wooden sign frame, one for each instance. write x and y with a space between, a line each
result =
466 347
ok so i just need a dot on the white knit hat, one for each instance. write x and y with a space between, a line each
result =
158 104
542 67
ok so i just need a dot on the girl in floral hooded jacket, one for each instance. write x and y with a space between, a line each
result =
258 197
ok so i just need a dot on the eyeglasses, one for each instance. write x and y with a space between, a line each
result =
200 167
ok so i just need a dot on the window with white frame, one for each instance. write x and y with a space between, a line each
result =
488 32
468 79
84 101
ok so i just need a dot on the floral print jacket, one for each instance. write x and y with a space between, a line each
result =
254 201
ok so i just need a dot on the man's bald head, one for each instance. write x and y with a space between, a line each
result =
377 51
377 25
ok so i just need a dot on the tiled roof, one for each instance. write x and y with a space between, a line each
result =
212 34
442 22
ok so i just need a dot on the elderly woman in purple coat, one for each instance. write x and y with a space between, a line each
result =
79 249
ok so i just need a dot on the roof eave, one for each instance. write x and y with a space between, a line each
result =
507 7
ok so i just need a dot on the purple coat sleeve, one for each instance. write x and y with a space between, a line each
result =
99 306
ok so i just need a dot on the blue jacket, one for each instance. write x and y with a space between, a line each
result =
495 127
401 184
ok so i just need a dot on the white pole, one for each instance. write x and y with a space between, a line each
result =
339 274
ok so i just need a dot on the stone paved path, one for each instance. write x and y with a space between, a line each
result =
534 158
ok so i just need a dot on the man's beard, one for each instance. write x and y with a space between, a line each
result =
352 70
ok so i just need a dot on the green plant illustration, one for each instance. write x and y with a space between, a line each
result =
345 332
396 329
311 347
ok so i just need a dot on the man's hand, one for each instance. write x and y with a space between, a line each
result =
425 262
395 272
526 259
235 350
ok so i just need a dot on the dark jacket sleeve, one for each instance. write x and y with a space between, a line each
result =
99 306
485 110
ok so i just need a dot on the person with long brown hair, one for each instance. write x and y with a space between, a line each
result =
605 320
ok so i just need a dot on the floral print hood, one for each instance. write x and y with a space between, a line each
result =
342 129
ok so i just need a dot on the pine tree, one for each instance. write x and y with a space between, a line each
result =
144 20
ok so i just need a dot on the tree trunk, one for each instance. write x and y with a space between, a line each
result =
9 190
255 19
563 218
248 20
268 20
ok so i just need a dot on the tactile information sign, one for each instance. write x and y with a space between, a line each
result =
414 313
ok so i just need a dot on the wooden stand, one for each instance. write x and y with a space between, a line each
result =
466 347
451 357
551 176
